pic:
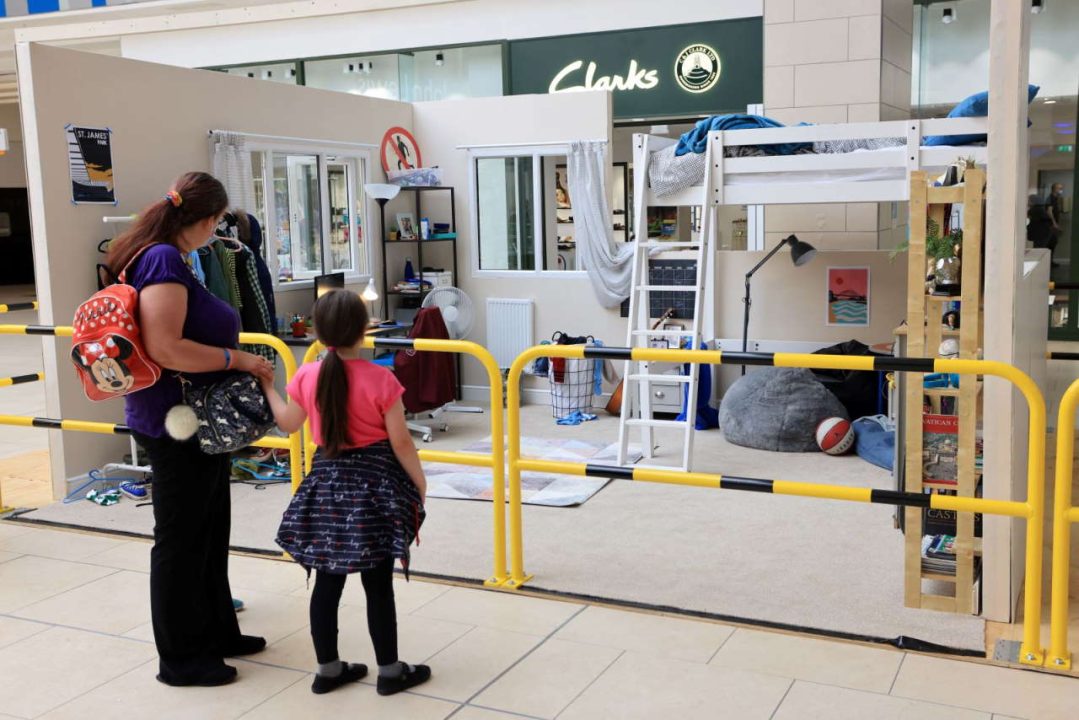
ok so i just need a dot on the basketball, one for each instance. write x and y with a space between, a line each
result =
835 436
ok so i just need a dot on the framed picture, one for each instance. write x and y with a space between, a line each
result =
848 296
406 226
561 189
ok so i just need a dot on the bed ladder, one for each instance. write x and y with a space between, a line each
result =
638 376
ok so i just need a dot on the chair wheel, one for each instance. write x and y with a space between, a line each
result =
427 438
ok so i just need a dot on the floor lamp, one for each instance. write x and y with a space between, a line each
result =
801 253
382 193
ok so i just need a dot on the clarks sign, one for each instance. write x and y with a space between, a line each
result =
672 71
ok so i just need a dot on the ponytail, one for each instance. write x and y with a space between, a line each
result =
331 399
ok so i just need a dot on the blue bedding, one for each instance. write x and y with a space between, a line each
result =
696 140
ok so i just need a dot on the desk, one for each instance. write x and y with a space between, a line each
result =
299 345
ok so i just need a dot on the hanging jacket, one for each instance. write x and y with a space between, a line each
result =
429 378
254 313
253 239
227 258
215 274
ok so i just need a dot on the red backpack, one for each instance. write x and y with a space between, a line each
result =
106 346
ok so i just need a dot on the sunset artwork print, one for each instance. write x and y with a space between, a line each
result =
848 296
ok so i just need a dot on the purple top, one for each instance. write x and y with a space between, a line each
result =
209 321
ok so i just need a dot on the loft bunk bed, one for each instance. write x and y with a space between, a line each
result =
850 162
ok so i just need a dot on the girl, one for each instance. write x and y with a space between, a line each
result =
362 504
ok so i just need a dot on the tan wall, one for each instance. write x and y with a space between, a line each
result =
160 116
562 301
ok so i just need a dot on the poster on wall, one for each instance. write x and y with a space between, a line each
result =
848 296
399 150
89 157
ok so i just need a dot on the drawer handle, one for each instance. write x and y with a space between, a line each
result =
660 394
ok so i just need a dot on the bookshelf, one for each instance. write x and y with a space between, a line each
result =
951 415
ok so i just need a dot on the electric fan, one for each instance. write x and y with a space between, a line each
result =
456 308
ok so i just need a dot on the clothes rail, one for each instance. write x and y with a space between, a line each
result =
288 138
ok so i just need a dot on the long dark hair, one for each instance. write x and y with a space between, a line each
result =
194 197
340 319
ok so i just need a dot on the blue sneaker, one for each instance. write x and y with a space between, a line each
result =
135 491
237 604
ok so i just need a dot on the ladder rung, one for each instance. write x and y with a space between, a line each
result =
638 422
660 378
665 333
671 288
669 245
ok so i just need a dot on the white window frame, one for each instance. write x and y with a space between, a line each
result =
537 153
359 161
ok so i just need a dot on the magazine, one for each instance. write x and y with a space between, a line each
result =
940 446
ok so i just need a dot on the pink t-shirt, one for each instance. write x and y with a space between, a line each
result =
372 391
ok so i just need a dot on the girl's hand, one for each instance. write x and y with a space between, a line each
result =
257 365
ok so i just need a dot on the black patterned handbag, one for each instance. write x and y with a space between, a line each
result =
231 413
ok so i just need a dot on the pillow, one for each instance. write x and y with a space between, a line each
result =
977 105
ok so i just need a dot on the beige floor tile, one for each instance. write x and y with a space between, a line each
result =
30 579
5 556
475 713
265 575
1005 717
113 604
137 694
655 635
9 530
354 701
469 664
810 700
644 687
272 616
500 610
1022 693
417 640
133 555
814 659
12 630
549 679
143 632
51 668
409 596
58 545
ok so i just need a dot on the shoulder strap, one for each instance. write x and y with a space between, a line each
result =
122 277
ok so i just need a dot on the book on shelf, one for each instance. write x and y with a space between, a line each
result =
938 554
940 445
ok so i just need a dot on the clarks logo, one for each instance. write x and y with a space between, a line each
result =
638 78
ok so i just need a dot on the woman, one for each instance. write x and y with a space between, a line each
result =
186 330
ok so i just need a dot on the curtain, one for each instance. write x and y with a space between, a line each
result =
232 166
609 267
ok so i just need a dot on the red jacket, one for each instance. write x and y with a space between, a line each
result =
429 378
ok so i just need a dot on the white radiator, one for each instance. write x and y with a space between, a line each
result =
509 329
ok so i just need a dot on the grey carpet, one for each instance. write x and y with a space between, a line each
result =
823 565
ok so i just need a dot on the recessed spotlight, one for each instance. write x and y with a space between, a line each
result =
267 74
440 59
948 16
1037 6
369 67
292 72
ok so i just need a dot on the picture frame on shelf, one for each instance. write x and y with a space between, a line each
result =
406 226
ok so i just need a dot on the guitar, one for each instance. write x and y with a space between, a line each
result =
614 405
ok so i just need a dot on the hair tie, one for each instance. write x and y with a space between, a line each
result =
174 197
331 348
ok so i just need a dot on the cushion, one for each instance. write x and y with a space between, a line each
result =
777 409
977 105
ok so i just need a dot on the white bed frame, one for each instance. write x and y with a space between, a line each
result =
912 156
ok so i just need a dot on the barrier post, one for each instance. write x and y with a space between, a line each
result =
495 461
1059 657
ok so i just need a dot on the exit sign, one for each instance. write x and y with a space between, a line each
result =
1065 148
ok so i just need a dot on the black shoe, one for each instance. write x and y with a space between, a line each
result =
212 676
418 675
244 645
350 673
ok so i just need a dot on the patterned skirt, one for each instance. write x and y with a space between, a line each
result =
352 512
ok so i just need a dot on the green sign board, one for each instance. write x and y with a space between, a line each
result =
675 71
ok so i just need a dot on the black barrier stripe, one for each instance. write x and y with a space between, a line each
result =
407 343
13 307
608 471
1063 356
747 358
19 379
40 330
734 482
51 423
592 352
903 364
1064 286
894 497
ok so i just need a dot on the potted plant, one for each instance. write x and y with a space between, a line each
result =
941 256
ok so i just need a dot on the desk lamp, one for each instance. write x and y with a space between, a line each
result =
801 253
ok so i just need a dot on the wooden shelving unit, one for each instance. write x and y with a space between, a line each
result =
924 334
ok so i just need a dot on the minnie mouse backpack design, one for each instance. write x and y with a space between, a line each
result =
106 346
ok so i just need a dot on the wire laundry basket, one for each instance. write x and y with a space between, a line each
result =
572 382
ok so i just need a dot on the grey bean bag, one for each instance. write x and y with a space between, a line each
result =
777 409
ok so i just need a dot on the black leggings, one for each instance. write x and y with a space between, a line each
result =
381 612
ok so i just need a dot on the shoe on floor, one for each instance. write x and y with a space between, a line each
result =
418 675
237 604
211 676
134 490
245 645
352 672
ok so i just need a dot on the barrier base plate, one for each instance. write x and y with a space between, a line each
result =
495 582
1012 652
512 584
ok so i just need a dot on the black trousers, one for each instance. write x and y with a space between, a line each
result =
190 599
381 612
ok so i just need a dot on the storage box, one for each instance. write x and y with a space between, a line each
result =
416 177
439 279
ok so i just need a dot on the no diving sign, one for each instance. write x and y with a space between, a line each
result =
399 150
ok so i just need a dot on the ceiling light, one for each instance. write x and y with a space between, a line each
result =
948 16
1037 6
369 67
250 74
1050 102
292 72
362 68
349 67
267 74
440 59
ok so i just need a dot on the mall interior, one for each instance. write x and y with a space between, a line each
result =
738 344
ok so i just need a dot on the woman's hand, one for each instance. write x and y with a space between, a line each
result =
257 365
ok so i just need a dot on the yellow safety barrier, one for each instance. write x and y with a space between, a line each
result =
495 461
1032 510
14 307
1064 515
293 443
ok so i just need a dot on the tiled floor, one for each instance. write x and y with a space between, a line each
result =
75 643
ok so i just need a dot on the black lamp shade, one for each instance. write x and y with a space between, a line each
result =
801 252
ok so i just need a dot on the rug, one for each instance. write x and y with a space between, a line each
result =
459 482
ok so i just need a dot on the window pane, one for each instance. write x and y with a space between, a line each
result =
1059 309
340 220
452 74
371 75
258 162
299 221
506 202
560 243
